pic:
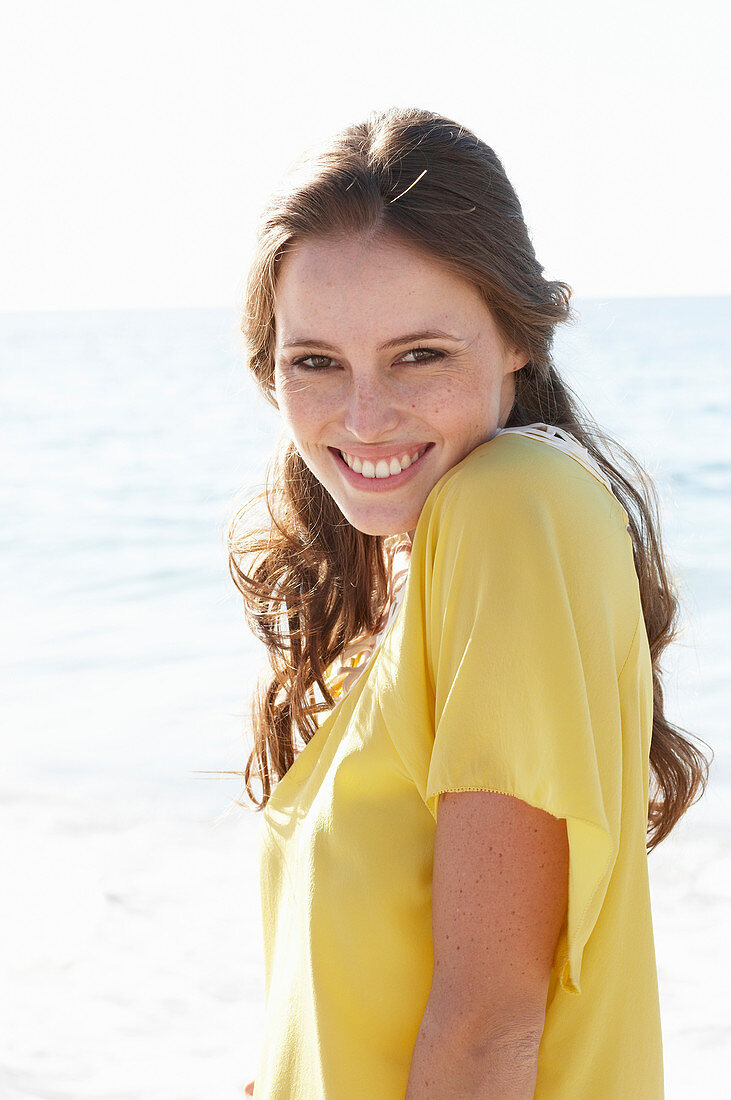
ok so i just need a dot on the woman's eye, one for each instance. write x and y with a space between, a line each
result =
324 362
424 355
313 362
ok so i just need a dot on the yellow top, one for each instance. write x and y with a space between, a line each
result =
518 662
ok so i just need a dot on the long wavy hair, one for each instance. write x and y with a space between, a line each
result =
311 582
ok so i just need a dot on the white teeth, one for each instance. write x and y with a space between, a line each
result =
383 468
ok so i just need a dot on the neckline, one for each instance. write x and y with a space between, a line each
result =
322 731
370 645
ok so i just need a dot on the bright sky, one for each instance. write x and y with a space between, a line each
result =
139 139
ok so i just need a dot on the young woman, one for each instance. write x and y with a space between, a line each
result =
464 602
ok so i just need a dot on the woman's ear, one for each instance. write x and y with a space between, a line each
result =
519 359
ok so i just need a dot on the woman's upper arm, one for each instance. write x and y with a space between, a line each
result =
499 897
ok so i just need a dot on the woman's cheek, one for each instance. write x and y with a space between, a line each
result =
299 406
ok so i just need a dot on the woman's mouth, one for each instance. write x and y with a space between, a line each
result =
381 473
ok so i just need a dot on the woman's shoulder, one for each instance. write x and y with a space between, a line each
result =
516 482
518 517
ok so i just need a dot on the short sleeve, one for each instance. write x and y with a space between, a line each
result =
527 625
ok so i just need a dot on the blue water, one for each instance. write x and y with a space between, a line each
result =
125 438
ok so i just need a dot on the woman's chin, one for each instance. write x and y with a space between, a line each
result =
370 523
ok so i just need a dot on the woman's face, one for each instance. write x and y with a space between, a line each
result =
389 370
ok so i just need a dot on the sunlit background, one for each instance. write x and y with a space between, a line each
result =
139 142
140 138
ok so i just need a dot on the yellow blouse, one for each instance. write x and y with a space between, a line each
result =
518 662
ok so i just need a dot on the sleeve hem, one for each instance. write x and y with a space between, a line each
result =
591 858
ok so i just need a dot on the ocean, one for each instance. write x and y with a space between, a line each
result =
130 937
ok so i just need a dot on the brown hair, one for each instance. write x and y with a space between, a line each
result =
311 582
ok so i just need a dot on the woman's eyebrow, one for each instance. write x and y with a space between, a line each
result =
429 334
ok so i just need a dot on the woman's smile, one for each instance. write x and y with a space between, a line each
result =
381 474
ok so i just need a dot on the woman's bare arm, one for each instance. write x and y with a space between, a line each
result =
500 884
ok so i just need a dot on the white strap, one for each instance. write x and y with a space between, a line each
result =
566 442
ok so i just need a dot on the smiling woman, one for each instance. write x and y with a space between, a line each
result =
464 602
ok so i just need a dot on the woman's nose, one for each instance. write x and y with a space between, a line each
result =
370 411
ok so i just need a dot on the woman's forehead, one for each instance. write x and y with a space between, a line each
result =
322 258
334 281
